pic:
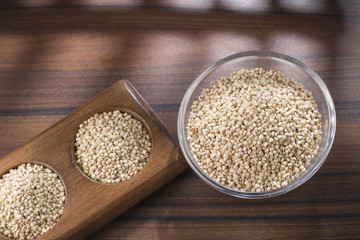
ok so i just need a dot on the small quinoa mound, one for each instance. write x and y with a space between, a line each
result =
254 130
32 199
111 147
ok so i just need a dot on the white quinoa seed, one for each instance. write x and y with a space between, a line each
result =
32 199
254 130
111 147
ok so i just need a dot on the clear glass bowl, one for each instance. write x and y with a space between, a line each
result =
267 60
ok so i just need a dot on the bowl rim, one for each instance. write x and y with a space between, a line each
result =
256 195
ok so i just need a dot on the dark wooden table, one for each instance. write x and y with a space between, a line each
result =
56 55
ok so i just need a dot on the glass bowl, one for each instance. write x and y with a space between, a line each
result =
267 60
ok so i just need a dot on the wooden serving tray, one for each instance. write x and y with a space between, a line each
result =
90 204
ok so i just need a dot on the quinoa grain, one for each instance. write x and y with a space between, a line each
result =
32 199
111 147
254 130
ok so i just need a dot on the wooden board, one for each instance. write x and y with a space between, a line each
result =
90 204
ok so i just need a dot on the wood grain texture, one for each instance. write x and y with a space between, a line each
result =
90 204
56 55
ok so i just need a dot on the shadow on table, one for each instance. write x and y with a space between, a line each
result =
138 17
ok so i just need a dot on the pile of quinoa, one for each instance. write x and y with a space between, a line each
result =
32 199
254 130
111 147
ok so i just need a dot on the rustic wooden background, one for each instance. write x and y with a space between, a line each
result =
57 54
